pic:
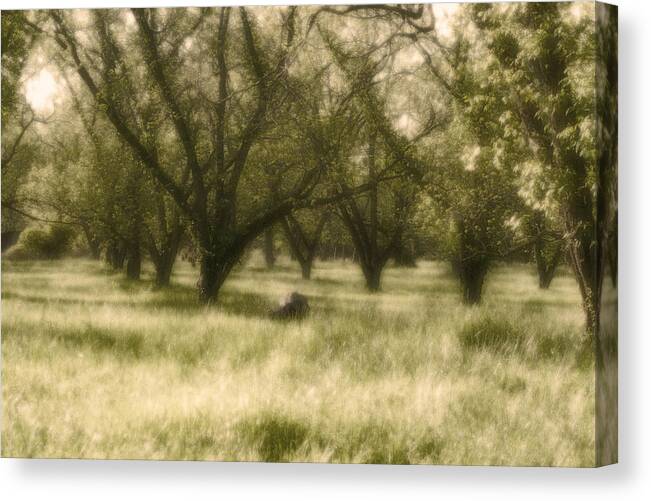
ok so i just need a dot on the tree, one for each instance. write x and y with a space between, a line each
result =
548 245
252 87
303 233
546 59
376 219
474 187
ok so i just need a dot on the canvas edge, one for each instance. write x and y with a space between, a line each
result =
606 349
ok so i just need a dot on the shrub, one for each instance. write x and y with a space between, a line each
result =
489 333
39 242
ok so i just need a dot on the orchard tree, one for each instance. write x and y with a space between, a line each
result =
467 164
376 219
545 56
183 59
303 231
548 245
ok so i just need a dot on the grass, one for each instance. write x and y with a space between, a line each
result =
97 367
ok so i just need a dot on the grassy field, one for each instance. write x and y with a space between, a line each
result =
97 367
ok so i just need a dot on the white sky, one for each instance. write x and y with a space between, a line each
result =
41 91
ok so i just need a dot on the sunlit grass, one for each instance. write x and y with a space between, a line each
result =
97 367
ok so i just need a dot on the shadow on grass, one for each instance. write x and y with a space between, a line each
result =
499 335
123 344
174 298
276 268
325 281
540 305
120 344
54 266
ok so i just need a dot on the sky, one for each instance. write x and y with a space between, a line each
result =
41 91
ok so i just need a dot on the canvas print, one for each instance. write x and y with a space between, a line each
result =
336 234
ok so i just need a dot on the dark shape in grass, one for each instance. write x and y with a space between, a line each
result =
489 333
294 307
274 437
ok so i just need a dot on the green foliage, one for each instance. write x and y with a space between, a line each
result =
15 47
43 242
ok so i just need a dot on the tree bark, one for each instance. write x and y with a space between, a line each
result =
587 264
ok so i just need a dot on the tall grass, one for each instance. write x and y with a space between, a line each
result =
97 367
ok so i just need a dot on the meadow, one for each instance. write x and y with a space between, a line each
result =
94 366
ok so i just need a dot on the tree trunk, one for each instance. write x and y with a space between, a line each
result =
472 273
303 246
373 275
268 247
611 252
545 278
586 263
115 255
164 270
164 260
208 279
546 265
586 277
134 261
306 269
470 265
213 271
